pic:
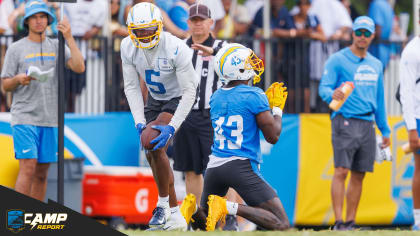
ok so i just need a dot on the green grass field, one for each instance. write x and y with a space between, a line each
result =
288 233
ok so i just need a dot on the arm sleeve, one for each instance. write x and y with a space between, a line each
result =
10 64
132 90
258 102
407 89
188 82
380 112
328 81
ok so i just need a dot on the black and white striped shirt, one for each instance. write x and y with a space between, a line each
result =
209 81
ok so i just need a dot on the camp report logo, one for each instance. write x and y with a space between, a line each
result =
17 220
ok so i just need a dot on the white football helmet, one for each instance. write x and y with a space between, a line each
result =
237 62
143 18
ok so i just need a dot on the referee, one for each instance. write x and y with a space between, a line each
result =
193 140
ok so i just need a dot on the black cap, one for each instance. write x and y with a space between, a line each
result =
199 10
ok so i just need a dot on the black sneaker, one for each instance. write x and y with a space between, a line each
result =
158 218
231 223
339 225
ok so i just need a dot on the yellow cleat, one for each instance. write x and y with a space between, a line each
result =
188 207
217 211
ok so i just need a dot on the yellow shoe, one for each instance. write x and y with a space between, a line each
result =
217 211
188 207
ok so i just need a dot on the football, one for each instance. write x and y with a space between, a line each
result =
149 133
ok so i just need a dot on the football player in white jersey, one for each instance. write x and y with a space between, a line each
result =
410 101
164 62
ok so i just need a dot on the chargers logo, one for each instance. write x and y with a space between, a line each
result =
15 220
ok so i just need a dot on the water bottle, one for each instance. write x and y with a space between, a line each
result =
347 89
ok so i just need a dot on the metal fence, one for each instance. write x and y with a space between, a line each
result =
298 63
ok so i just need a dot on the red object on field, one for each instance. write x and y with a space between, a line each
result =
126 192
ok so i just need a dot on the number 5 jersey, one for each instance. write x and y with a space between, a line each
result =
167 71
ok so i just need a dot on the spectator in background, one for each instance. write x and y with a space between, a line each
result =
381 12
6 9
350 9
236 20
336 24
334 18
86 18
34 108
116 28
118 31
179 13
307 26
253 6
167 22
281 24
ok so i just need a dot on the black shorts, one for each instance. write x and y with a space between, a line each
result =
241 175
354 143
155 107
192 142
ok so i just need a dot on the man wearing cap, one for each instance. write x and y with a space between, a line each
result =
192 142
353 127
34 106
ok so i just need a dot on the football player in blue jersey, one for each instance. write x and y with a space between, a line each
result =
238 113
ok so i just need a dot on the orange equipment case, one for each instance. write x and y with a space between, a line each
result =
126 192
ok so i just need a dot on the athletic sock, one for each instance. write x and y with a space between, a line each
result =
416 213
232 207
163 202
174 209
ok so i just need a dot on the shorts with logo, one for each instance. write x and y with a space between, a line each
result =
354 143
241 175
155 107
35 142
192 142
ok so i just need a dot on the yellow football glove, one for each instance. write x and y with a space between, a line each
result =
277 95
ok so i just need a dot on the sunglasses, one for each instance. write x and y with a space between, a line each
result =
366 33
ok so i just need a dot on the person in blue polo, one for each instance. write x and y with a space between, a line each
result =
34 105
353 125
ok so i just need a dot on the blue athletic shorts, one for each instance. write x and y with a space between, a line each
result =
37 142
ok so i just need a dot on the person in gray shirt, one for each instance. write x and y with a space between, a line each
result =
34 105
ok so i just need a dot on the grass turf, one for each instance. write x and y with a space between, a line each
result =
287 233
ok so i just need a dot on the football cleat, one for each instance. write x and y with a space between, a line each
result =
176 222
159 218
217 211
188 207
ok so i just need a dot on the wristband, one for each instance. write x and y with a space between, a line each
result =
277 111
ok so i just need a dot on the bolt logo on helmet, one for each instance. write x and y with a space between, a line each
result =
237 62
144 22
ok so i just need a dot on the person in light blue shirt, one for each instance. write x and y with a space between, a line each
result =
382 14
353 131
